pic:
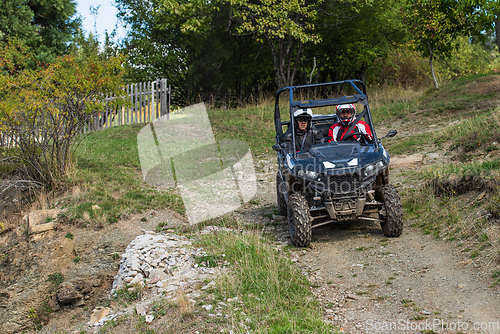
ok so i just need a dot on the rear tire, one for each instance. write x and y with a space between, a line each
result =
393 220
299 220
280 189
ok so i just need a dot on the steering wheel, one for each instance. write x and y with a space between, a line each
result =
362 135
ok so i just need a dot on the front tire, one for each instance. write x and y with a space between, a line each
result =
299 220
280 189
393 219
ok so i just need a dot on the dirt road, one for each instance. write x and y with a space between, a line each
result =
368 283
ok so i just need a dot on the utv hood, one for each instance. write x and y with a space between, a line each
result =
342 155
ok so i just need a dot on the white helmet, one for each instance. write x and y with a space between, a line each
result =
303 114
346 121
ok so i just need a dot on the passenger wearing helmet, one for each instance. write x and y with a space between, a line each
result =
346 114
306 135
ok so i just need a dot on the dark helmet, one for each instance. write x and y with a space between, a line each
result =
346 120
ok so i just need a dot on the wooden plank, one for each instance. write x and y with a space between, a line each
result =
128 107
162 98
132 109
141 116
106 110
149 101
137 106
156 99
144 100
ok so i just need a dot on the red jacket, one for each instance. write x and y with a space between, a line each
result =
338 131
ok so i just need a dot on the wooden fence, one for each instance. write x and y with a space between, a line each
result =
148 101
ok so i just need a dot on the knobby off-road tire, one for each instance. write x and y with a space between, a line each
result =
280 189
393 224
299 220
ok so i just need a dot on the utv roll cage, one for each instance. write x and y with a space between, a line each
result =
359 97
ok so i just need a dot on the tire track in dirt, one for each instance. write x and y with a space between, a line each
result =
368 283
411 283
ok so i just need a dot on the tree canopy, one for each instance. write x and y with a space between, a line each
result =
44 26
435 25
220 49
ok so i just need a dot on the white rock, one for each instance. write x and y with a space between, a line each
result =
137 279
158 272
171 288
140 309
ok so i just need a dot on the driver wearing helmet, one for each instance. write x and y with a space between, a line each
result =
306 135
346 114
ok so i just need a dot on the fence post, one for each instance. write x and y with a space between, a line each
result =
131 104
136 95
160 97
148 92
169 96
164 91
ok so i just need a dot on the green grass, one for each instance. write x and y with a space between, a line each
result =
108 179
389 103
253 125
128 294
276 296
56 278
407 302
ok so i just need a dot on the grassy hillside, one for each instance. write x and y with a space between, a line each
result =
460 120
457 201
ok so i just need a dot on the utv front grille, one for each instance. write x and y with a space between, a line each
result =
344 185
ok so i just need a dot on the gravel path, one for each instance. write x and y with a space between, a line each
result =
368 283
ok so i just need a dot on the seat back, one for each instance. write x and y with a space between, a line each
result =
324 124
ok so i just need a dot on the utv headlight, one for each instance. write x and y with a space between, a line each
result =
307 173
372 169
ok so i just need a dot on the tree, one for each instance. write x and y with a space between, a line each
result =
45 26
44 110
353 35
284 25
15 21
435 24
487 17
209 63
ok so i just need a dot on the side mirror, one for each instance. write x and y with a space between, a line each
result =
276 147
391 133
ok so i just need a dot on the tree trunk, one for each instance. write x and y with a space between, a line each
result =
430 64
282 60
497 30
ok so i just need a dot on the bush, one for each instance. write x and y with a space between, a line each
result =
468 59
43 110
401 68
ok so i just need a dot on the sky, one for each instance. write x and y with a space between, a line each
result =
104 20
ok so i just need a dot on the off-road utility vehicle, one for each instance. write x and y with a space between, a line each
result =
335 181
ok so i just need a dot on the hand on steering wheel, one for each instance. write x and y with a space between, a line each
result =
362 135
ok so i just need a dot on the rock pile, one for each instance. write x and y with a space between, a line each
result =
162 265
